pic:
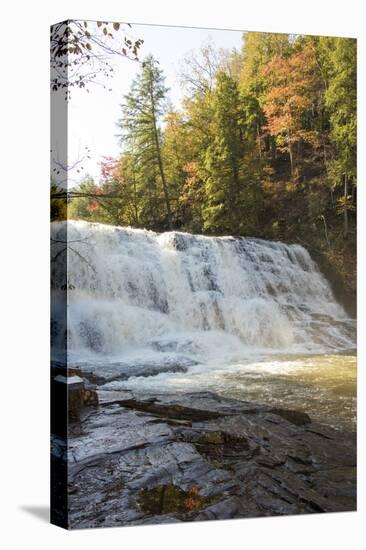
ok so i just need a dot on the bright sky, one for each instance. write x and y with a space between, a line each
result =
93 116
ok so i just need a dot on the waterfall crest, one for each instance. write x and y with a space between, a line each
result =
200 297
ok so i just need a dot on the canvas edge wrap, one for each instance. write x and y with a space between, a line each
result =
58 374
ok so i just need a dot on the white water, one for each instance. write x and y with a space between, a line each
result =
135 295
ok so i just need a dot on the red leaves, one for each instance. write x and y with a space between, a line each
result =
108 167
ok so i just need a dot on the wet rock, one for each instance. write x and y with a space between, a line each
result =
226 509
295 417
69 390
220 447
343 293
70 396
165 499
119 372
144 459
179 241
175 412
90 398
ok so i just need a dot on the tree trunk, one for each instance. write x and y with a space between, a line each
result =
290 152
135 199
326 232
163 180
331 196
259 142
345 233
160 162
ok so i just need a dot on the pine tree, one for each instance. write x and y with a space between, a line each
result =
142 111
341 102
228 183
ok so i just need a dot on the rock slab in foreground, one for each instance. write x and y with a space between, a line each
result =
157 459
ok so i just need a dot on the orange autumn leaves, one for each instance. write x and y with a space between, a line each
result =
194 501
292 87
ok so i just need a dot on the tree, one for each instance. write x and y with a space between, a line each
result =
341 102
58 204
229 184
288 101
81 50
258 49
125 179
199 69
85 207
176 153
142 111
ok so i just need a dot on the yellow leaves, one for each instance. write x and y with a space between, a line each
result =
345 203
290 187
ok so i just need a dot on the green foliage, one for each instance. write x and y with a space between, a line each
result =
230 187
341 103
85 207
58 204
142 136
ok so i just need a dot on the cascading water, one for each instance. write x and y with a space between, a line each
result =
135 294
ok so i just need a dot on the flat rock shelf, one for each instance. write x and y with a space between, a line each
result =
139 458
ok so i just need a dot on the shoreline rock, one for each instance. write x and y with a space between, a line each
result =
140 458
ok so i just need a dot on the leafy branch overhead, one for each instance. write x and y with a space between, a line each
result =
81 52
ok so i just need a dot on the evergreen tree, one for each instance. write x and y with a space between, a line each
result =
58 203
142 112
341 102
228 185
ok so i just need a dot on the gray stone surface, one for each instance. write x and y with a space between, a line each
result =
240 458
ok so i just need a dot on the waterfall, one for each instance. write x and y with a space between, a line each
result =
136 291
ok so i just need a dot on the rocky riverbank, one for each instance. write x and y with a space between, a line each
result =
142 459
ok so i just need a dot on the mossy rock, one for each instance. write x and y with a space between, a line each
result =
213 438
168 499
220 447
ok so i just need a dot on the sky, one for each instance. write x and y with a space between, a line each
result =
93 115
